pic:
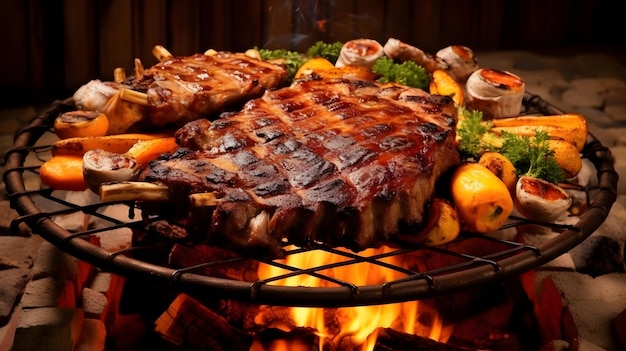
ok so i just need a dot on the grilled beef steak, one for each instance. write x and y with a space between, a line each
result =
344 162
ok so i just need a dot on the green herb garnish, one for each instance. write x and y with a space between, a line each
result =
531 156
471 131
406 73
328 51
291 59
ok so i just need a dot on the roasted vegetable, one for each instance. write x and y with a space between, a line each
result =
360 52
443 84
100 166
501 166
118 143
81 124
441 227
482 200
145 151
476 137
569 127
314 65
498 94
63 172
566 156
540 200
443 222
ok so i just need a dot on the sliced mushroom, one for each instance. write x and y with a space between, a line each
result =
460 61
540 200
360 52
100 166
496 93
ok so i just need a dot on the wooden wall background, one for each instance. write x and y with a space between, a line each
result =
51 47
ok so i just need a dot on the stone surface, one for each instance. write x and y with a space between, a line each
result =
594 303
48 329
42 292
17 252
13 282
94 302
50 261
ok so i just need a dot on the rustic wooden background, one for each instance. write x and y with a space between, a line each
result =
51 47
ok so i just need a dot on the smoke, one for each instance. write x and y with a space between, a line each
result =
307 23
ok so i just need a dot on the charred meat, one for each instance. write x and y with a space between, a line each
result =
344 162
180 89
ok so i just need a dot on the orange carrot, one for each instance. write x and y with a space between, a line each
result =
118 143
63 173
81 124
145 151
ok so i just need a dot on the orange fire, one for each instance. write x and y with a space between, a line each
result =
356 323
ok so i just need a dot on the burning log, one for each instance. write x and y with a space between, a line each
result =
188 322
391 340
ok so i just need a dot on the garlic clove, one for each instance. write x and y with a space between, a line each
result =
540 200
100 166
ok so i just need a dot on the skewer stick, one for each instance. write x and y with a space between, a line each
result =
203 200
133 191
138 68
134 96
161 53
119 75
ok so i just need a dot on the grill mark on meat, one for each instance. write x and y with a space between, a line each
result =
185 88
363 162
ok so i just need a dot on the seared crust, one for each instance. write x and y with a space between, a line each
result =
343 162
185 88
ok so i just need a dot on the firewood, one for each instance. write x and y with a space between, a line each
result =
188 322
390 340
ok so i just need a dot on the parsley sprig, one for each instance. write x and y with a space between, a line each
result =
291 59
407 73
532 156
329 51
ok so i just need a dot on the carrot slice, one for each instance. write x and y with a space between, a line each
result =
118 143
145 151
81 124
63 172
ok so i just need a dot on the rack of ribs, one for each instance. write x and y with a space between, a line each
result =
342 162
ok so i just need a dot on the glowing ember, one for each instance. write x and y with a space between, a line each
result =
356 324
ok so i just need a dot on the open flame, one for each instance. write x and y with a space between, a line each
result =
358 324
